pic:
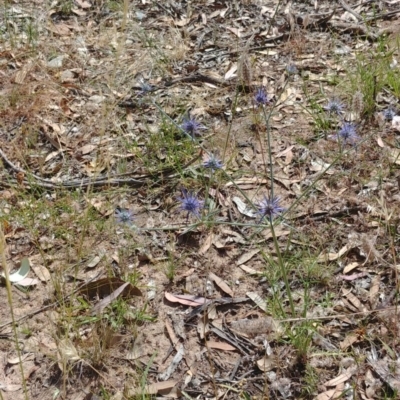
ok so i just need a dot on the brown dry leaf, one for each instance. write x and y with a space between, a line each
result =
182 22
331 394
287 153
325 256
87 149
247 256
266 364
380 142
28 282
221 284
187 300
350 267
41 272
249 270
59 29
394 154
256 326
162 388
341 378
396 123
349 340
203 327
353 300
235 31
171 333
207 244
374 291
66 353
258 300
101 305
279 232
9 388
243 208
104 287
247 181
83 4
21 74
219 345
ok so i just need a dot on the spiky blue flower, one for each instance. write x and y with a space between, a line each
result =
291 69
389 113
261 97
348 134
211 161
143 86
269 207
191 127
334 106
190 203
124 216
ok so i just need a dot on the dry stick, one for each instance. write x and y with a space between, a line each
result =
10 302
116 180
351 11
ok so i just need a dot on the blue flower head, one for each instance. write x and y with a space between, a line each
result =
144 86
334 106
211 161
348 134
191 127
261 97
124 216
291 69
389 113
269 207
190 204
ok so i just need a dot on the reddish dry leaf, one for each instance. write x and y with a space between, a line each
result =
219 346
221 284
187 300
353 276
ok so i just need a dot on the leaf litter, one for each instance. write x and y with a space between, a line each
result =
81 137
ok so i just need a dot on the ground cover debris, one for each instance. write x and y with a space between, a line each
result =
199 199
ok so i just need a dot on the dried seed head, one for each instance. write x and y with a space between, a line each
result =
246 72
358 102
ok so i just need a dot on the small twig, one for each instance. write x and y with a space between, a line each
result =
116 180
351 11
